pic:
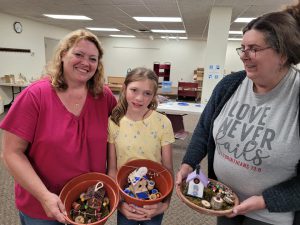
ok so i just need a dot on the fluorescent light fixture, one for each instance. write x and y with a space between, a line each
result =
68 17
102 29
169 31
172 37
158 19
244 19
235 39
236 32
122 35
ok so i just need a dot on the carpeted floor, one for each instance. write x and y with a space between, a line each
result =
177 214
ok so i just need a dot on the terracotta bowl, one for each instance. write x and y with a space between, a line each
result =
212 212
163 181
72 190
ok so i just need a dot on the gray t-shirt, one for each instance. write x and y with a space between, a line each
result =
257 141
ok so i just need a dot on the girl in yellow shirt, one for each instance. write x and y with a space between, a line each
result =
137 131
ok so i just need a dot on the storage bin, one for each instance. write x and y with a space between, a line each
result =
166 86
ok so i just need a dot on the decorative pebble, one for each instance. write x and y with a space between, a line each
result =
79 219
206 204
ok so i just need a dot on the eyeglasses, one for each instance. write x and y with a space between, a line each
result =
251 52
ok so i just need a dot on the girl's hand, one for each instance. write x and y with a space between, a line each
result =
153 210
53 207
185 169
130 212
250 204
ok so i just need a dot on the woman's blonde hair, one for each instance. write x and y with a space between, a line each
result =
54 68
137 74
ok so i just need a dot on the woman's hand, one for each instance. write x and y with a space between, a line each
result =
130 212
250 204
53 207
152 210
185 169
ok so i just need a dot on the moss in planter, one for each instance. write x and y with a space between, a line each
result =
207 195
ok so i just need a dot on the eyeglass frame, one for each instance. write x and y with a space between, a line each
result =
241 51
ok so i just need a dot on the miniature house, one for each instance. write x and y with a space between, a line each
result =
138 183
195 188
196 183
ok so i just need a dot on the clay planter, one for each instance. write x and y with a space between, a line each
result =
72 190
163 180
212 212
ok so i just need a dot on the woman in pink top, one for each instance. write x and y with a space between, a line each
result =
57 128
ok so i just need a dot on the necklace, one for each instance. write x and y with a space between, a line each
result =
78 103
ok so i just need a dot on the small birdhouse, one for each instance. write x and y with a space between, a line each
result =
138 183
196 182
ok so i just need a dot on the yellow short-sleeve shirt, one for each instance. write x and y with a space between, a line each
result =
140 139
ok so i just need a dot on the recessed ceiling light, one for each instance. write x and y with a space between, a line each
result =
158 19
244 19
235 32
102 29
235 39
169 31
172 37
121 35
68 17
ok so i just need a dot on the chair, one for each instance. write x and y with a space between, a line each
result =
177 125
188 91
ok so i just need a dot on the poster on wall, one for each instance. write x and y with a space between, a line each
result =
214 72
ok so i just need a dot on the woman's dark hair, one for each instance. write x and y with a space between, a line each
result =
281 31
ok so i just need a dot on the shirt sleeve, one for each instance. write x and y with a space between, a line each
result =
111 131
22 116
111 100
168 134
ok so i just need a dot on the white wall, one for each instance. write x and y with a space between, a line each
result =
119 53
32 37
50 47
233 62
184 56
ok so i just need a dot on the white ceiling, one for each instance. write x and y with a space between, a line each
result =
118 13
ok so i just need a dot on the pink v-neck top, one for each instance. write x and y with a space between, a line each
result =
61 145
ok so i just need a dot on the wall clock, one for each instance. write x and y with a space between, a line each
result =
18 27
